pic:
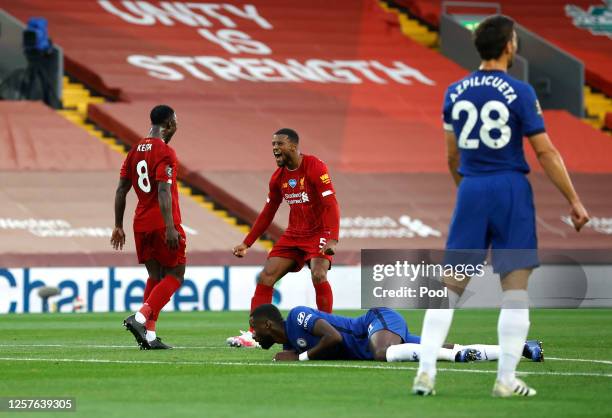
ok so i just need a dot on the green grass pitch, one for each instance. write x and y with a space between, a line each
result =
91 357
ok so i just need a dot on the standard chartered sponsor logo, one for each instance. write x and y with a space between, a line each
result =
385 227
293 198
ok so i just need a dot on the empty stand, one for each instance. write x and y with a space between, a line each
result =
549 19
57 188
363 97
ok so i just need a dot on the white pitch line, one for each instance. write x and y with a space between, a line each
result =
283 364
212 347
101 346
581 360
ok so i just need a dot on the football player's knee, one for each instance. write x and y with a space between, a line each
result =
380 354
267 277
177 272
319 276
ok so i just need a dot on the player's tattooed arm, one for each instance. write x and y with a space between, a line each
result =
118 235
164 197
330 338
452 156
551 161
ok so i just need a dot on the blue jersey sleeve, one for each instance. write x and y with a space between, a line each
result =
303 317
447 119
531 112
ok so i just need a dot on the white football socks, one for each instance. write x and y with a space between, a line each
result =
140 318
403 352
435 329
453 298
412 352
512 329
489 352
151 336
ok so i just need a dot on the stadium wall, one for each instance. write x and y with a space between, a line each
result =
120 289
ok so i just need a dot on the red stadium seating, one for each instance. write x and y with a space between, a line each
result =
378 130
57 188
548 19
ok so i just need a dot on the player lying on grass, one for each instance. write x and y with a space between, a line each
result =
381 334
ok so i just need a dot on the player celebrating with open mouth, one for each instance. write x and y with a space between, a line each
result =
312 234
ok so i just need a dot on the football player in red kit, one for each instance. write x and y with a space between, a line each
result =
303 181
150 168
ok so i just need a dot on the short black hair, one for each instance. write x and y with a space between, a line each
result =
161 114
290 133
267 311
492 35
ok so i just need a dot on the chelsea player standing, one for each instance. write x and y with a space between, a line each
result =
486 115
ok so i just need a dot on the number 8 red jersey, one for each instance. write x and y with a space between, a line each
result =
150 162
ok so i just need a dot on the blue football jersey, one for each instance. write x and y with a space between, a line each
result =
300 324
490 112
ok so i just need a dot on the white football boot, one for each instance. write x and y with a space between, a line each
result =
518 388
423 385
245 339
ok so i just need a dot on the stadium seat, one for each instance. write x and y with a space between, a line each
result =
550 20
57 187
378 131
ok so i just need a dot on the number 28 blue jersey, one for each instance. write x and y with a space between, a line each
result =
490 112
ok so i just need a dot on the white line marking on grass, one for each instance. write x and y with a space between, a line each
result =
212 347
101 346
582 360
282 364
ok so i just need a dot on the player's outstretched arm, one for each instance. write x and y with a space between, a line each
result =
164 197
452 155
330 338
118 235
331 223
319 177
262 223
551 161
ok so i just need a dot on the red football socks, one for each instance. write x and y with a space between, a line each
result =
151 283
145 310
263 294
325 297
159 297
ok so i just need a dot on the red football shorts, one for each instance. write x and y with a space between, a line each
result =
151 245
301 250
